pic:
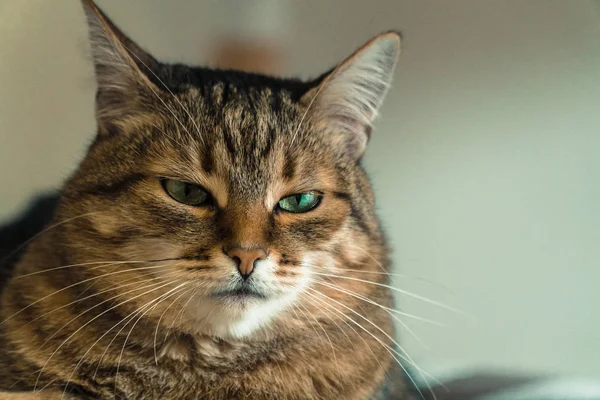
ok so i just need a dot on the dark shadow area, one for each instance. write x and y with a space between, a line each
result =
19 230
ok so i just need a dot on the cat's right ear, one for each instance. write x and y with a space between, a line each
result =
123 70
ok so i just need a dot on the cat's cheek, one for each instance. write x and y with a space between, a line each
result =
149 249
106 224
317 262
351 244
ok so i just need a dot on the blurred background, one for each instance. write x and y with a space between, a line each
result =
486 161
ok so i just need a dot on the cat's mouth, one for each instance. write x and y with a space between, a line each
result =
242 292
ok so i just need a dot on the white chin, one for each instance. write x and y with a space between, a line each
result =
235 319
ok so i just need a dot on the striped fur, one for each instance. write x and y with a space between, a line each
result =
117 298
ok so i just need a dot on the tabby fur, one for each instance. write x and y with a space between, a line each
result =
113 299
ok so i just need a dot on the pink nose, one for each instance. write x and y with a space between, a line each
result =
246 259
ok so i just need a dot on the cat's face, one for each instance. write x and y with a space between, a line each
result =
239 186
236 187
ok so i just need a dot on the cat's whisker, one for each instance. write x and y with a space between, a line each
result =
116 51
94 281
89 322
390 274
181 311
160 98
76 284
161 317
364 271
390 310
167 135
387 309
325 332
148 307
100 263
98 305
47 385
132 315
312 101
393 353
406 358
119 287
293 308
334 322
211 311
385 271
368 254
345 317
170 110
405 355
127 320
329 306
404 292
305 313
127 280
46 230
91 285
308 316
172 94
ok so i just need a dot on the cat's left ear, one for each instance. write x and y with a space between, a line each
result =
123 69
347 100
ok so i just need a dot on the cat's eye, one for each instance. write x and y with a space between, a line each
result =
186 193
299 203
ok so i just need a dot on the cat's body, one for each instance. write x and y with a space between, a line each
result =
214 243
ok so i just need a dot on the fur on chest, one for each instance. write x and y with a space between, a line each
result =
207 368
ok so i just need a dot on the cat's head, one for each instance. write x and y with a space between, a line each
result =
239 186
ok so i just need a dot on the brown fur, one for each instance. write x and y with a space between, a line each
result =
119 242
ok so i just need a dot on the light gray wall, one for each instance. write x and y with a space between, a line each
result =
485 161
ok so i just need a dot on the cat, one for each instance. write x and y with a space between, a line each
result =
218 241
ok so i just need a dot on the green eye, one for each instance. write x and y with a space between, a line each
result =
186 193
299 203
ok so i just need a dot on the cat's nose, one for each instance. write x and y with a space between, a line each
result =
246 259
